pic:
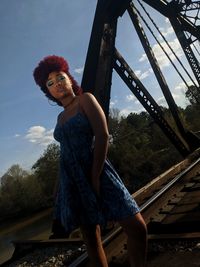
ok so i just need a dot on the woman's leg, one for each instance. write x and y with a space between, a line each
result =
92 238
136 231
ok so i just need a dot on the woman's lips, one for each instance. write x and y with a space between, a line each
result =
61 90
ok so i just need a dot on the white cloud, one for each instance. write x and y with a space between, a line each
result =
143 58
113 103
178 94
183 101
162 102
79 70
145 74
181 88
142 75
126 111
137 72
39 135
162 59
167 31
130 98
17 135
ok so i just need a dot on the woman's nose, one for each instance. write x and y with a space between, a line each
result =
58 83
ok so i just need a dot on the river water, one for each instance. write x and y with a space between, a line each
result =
36 227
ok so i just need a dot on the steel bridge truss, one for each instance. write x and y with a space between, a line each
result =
103 57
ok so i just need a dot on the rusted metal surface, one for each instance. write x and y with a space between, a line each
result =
97 74
157 70
148 102
101 59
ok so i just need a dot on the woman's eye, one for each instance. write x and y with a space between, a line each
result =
50 83
60 78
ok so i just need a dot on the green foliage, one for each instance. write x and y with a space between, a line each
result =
193 95
46 169
139 150
192 117
20 193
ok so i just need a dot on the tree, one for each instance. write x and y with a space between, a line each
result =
140 150
46 169
193 94
20 193
139 121
11 184
14 173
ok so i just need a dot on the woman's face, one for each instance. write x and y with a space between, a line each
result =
59 85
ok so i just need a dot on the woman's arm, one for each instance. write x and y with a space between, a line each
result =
98 123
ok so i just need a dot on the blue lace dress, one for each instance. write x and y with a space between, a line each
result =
76 202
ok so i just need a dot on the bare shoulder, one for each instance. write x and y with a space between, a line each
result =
87 97
94 113
88 100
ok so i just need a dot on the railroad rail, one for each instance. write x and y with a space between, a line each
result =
165 204
170 205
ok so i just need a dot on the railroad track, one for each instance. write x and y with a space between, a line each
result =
170 205
165 203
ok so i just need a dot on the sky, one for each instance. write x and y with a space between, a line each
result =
31 30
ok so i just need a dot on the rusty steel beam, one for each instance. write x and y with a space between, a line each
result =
154 64
148 102
168 10
97 73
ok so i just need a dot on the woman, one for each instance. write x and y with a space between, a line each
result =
90 192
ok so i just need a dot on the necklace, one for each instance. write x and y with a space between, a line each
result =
66 106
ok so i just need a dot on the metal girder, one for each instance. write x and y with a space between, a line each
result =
159 5
97 73
193 6
180 24
167 10
103 80
91 64
160 78
100 60
185 5
194 63
155 66
139 90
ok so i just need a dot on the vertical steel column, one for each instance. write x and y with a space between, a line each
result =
105 66
97 73
92 58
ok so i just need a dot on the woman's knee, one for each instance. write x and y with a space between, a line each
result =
134 226
91 234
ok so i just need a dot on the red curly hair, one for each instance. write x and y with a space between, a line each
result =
48 65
